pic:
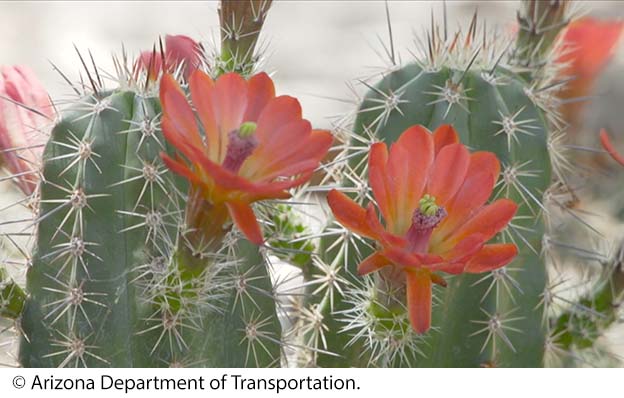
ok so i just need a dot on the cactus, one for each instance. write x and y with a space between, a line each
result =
104 275
113 279
502 99
153 235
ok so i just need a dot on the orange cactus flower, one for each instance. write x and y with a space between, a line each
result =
587 46
432 194
254 146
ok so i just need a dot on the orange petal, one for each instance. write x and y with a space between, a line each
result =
279 112
488 221
245 219
465 249
349 214
481 162
610 148
180 168
588 44
275 189
472 195
372 263
377 160
229 104
280 132
308 151
260 91
177 109
400 256
443 136
419 300
408 166
233 185
202 91
448 172
491 257
386 238
301 150
449 268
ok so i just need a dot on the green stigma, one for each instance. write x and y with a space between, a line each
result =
428 206
247 129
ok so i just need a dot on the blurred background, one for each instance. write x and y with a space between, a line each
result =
315 50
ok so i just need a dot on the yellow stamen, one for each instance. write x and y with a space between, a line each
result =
428 206
247 129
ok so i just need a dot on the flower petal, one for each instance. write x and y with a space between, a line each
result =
260 92
488 221
181 120
402 257
471 196
245 219
229 105
448 172
465 249
377 161
178 167
183 50
202 89
349 214
150 61
372 263
449 268
419 300
302 154
443 136
281 132
408 166
610 148
491 257
588 45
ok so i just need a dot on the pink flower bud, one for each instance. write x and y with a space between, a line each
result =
26 116
179 50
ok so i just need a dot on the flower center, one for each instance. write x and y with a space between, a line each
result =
241 145
425 219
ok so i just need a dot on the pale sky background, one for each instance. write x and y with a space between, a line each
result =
315 47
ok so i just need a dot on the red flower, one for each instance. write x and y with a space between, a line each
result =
588 45
26 115
256 145
179 50
432 194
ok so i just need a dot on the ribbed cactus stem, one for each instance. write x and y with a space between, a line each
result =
241 22
539 24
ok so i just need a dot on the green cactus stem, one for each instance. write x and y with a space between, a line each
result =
241 22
